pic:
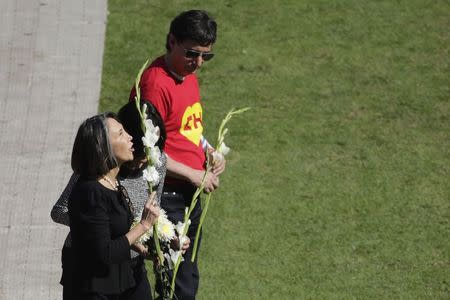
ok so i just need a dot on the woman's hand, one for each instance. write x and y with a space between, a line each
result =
149 216
175 244
141 249
150 213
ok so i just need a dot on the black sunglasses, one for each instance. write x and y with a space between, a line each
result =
191 53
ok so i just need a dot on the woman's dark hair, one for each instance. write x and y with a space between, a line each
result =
131 122
92 155
195 25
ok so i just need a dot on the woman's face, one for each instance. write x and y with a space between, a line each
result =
121 144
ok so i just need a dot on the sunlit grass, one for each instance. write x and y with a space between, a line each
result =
337 186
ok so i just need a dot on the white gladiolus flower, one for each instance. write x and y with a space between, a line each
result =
150 138
183 239
217 156
144 111
169 261
150 127
155 155
223 149
151 175
151 135
172 257
180 227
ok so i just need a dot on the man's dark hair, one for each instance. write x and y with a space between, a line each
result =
131 122
195 25
92 155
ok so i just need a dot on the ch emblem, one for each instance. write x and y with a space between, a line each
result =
191 124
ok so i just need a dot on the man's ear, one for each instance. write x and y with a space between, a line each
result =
172 41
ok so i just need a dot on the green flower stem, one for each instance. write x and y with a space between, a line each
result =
186 228
178 262
227 118
202 217
174 276
156 240
220 138
195 199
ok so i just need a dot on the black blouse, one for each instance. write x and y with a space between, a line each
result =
99 220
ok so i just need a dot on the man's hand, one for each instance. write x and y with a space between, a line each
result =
211 180
178 170
218 161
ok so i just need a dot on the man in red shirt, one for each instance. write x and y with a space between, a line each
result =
171 85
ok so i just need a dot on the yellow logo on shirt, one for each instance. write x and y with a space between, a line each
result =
191 124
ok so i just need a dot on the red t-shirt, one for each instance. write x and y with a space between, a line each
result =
178 102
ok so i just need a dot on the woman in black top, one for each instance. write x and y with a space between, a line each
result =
100 216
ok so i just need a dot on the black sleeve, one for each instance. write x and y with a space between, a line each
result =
95 233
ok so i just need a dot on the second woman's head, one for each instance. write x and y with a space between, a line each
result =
101 144
131 120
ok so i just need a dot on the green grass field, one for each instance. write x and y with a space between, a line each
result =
337 186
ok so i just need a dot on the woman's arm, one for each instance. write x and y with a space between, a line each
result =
149 216
60 211
95 228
